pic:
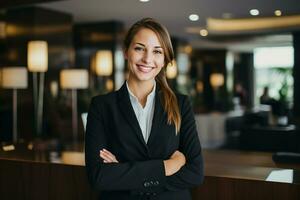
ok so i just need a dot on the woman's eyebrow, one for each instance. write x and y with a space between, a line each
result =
145 45
141 44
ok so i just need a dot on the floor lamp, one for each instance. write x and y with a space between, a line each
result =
216 81
74 79
38 64
14 78
103 67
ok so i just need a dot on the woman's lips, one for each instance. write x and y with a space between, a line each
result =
143 68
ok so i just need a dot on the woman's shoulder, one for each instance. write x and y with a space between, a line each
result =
181 97
104 98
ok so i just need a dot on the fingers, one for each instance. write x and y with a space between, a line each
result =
107 156
179 157
176 153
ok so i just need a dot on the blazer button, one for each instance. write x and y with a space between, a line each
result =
146 184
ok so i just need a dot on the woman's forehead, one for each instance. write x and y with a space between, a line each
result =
146 37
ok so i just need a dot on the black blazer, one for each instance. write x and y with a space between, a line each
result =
140 173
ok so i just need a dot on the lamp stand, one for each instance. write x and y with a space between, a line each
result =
15 115
38 98
74 115
35 99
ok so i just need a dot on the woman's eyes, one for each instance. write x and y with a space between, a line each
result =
157 52
143 49
139 48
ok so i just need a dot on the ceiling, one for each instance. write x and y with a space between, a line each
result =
174 15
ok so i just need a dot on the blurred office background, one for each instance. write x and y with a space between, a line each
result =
237 60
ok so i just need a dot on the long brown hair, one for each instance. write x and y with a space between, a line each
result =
169 98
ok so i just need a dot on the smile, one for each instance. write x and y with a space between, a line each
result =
144 68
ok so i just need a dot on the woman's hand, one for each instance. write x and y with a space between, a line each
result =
107 156
174 163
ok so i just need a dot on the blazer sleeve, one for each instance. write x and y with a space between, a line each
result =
144 176
191 174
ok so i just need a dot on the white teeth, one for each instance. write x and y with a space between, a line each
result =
144 68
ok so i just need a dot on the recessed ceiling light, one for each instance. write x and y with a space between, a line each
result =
144 0
254 12
194 17
203 32
278 13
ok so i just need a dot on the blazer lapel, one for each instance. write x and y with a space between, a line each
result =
157 116
128 112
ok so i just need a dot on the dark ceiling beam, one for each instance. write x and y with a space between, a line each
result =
9 3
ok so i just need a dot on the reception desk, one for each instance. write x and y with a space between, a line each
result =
230 175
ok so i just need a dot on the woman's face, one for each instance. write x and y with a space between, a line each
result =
145 56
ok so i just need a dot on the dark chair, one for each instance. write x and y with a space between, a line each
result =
266 138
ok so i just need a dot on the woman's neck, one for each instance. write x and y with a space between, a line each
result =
140 89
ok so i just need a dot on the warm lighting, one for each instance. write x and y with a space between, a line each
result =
254 12
216 80
37 56
278 13
2 29
199 86
72 158
104 65
30 146
109 84
54 89
252 24
8 147
14 77
194 17
37 61
171 70
74 79
188 49
203 32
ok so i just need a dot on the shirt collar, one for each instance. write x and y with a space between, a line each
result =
150 95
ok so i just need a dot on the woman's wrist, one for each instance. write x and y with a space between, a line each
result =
169 170
174 163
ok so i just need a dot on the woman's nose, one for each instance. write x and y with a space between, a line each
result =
147 57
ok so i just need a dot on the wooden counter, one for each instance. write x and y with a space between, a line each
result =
231 175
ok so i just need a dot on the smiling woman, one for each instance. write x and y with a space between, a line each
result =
145 57
141 141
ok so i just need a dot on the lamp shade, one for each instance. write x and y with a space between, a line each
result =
216 79
14 77
74 79
37 56
104 65
171 70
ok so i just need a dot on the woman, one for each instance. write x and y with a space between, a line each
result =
141 141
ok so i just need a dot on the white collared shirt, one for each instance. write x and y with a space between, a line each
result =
144 115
